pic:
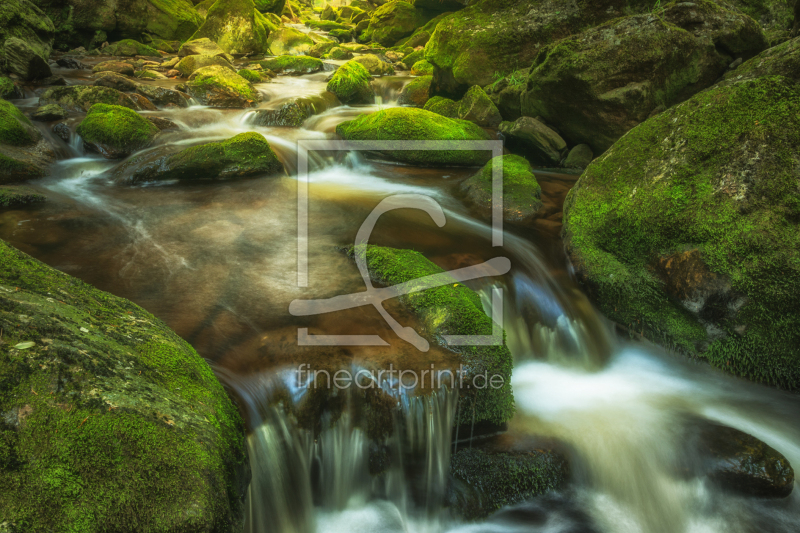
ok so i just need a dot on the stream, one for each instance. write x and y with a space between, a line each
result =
218 263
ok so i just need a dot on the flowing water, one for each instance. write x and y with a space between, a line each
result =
217 262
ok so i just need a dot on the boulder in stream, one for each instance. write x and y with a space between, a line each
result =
535 139
19 195
109 419
521 192
352 84
294 112
417 92
162 97
24 61
686 229
189 64
217 86
120 67
9 90
412 124
115 81
203 46
130 48
24 154
49 113
293 65
115 131
236 26
289 41
422 68
375 65
475 106
395 20
82 97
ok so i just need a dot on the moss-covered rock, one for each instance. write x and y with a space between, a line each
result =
22 19
15 128
414 57
422 68
442 106
579 157
245 155
21 59
352 84
686 229
536 140
163 97
623 70
169 47
395 20
201 46
775 17
289 41
271 6
19 195
326 25
375 65
321 49
189 64
115 131
470 46
24 154
149 74
506 93
451 309
417 92
217 86
115 81
782 60
478 108
130 47
343 36
521 192
294 112
293 65
120 67
236 26
250 75
338 54
49 113
412 124
8 89
111 421
82 97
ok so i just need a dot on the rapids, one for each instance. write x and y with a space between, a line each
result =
217 262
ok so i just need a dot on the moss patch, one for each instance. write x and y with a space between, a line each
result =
292 64
221 87
129 47
116 131
521 192
351 83
15 128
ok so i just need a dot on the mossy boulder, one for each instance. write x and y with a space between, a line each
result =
414 57
24 154
250 75
163 97
506 93
236 26
352 84
217 86
271 6
324 25
115 81
412 124
130 48
189 64
202 46
470 46
343 36
321 49
685 231
395 20
294 112
49 113
530 136
422 68
782 60
23 20
82 97
9 89
245 155
338 54
111 421
579 157
15 128
478 108
774 16
120 67
293 65
417 92
21 59
289 41
115 131
623 70
521 192
375 65
149 74
442 105
19 195
451 309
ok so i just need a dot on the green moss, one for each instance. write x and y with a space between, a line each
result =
18 195
292 64
15 128
442 106
342 35
109 415
289 41
452 309
82 97
129 47
417 92
8 89
327 25
250 75
245 155
521 191
338 53
715 174
222 87
116 127
189 64
407 124
172 19
414 57
351 83
395 20
422 68
236 26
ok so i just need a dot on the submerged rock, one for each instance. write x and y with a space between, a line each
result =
217 86
294 65
115 131
352 84
521 192
599 84
534 139
411 124
19 195
686 229
105 408
236 26
417 92
82 97
245 155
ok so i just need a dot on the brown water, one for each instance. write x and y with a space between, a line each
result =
217 262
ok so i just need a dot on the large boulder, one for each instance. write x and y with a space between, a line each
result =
417 92
375 65
22 60
110 420
395 20
521 192
293 65
120 67
236 26
82 97
24 154
245 155
289 41
534 139
352 84
189 64
412 124
598 85
163 97
782 60
469 46
294 112
23 20
115 131
686 229
217 86
478 108
270 6
202 46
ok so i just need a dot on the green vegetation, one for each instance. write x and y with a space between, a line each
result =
82 97
18 195
129 47
221 87
442 106
250 75
116 131
15 128
417 92
351 83
189 64
236 26
521 191
421 68
292 64
713 177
